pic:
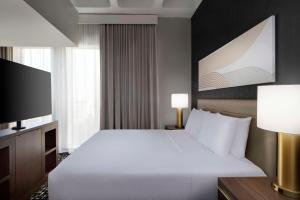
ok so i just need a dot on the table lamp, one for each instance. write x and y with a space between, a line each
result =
180 101
278 109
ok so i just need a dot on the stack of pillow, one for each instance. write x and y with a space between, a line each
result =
222 134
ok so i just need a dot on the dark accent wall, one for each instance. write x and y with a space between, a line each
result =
217 22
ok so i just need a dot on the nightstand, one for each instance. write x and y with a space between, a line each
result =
172 127
247 188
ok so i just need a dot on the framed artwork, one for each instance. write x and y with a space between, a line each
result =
249 59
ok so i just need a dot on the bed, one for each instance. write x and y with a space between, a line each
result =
158 164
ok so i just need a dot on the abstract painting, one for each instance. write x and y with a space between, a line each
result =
249 59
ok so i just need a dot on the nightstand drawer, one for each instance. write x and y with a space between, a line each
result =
247 188
223 194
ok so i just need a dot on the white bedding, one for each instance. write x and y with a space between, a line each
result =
143 165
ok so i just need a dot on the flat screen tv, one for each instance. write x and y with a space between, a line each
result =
25 93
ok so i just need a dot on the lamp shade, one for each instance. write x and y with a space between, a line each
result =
278 108
180 101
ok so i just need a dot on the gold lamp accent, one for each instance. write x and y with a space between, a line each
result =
179 101
278 109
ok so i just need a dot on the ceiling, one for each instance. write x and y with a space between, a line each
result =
162 8
21 25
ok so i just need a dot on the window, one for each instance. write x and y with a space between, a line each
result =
83 72
39 58
75 90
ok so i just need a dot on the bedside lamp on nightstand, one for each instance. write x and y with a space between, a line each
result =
180 101
278 109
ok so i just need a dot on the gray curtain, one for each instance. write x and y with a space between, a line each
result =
129 96
6 53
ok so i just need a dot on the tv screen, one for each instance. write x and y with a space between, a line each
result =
25 92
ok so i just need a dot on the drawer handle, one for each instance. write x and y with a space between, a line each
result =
225 194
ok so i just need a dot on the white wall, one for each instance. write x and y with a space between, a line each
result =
174 64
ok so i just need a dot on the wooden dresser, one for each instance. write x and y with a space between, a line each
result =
26 158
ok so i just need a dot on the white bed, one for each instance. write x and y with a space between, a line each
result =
143 165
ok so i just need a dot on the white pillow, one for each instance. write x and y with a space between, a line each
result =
218 133
195 122
239 144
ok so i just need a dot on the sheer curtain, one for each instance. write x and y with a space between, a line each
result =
39 58
76 86
75 73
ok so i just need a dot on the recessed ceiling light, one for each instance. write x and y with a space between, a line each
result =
180 3
91 3
136 3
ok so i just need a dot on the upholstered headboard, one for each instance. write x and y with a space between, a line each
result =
262 144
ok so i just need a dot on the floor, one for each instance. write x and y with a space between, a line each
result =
42 193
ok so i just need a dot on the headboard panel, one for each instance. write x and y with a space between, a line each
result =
262 144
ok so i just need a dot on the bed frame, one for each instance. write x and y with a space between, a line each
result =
262 144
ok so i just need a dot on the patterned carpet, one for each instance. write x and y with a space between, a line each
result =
42 194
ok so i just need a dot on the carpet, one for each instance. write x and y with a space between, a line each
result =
42 193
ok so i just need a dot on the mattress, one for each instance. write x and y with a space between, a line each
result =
143 165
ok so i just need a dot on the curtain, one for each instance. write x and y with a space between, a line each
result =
36 57
6 53
129 98
75 74
76 89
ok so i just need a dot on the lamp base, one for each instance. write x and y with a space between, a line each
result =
288 173
179 117
285 191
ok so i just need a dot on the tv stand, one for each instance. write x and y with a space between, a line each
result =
26 158
18 127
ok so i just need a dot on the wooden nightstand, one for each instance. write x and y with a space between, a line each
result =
172 127
247 188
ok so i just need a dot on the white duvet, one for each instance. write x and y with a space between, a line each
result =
143 165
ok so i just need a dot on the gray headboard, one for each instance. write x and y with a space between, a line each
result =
262 144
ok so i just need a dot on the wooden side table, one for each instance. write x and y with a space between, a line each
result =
173 127
247 188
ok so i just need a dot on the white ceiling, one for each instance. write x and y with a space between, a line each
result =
162 8
21 25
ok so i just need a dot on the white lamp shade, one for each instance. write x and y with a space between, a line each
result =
180 100
278 108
